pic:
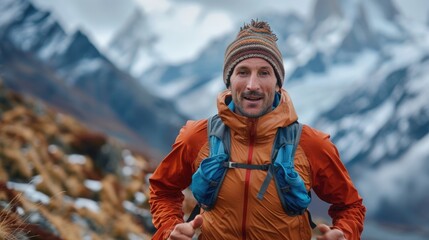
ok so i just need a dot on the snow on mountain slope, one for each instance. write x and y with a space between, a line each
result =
381 129
316 93
196 81
38 57
132 48
340 37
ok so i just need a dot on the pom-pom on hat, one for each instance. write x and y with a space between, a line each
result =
254 40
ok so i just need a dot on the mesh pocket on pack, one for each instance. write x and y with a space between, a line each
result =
291 188
206 180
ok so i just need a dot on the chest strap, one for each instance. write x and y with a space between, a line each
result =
263 167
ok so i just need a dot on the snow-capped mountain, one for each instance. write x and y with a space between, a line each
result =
69 72
193 85
132 48
346 42
341 36
380 125
382 131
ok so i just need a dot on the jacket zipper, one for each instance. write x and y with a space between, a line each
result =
252 136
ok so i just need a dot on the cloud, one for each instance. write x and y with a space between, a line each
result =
243 9
186 28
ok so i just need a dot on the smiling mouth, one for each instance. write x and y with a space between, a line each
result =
252 98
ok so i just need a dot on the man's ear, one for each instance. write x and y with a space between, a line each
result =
277 88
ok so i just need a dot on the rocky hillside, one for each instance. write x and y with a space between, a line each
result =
59 180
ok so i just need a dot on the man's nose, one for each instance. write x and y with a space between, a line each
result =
253 82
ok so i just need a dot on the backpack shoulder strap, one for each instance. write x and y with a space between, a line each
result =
297 137
216 128
219 142
289 135
292 135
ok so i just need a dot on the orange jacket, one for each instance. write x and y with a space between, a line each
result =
238 214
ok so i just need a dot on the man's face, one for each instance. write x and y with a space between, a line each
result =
253 84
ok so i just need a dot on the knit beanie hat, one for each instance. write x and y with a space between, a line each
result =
254 40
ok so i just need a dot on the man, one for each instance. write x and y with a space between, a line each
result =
253 108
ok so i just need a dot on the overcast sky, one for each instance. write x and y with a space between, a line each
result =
192 22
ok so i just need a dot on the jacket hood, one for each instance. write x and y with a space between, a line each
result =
281 116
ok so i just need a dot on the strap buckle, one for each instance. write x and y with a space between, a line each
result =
232 164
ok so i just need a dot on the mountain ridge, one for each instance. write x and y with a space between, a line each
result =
142 119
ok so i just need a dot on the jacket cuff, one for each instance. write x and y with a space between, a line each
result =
166 233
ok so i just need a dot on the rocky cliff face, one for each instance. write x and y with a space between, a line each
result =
59 180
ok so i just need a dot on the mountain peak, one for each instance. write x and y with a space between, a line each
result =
132 46
324 9
385 8
12 10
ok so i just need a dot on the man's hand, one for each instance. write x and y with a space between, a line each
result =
329 234
185 231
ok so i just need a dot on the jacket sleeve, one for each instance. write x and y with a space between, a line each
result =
332 183
171 177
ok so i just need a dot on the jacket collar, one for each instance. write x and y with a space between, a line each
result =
281 116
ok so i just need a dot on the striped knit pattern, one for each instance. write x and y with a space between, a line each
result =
254 40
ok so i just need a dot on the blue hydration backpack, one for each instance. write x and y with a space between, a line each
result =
207 180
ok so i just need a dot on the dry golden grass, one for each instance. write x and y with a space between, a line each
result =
15 163
15 226
10 223
35 149
11 226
